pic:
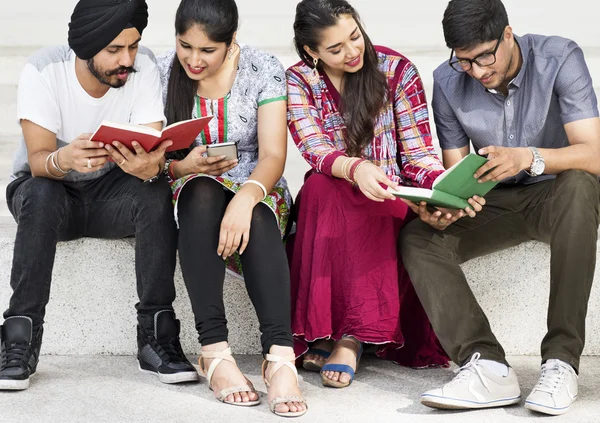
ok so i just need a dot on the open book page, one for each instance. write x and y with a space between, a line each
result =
141 129
459 181
182 134
431 197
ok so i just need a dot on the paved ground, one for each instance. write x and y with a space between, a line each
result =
110 389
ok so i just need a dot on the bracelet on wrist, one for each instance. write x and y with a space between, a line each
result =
353 168
358 166
345 167
50 158
56 163
260 185
169 169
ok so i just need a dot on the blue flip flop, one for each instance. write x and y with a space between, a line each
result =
342 368
313 365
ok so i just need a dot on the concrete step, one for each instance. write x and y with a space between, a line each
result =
69 389
93 293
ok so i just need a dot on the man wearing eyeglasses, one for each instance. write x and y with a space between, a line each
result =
528 104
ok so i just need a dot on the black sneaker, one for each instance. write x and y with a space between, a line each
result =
159 350
19 352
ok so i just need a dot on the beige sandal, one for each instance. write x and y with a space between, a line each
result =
218 357
279 363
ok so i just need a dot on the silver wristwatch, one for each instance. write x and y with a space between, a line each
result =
537 165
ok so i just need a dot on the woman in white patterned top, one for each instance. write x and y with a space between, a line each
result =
234 209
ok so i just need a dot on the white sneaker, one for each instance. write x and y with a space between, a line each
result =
475 387
555 391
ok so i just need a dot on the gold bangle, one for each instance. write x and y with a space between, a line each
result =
345 166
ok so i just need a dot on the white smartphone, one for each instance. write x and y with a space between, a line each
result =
227 149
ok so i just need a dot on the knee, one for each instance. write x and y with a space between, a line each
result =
263 219
319 186
578 190
40 197
154 200
200 195
415 242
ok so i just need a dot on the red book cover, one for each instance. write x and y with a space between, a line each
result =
181 133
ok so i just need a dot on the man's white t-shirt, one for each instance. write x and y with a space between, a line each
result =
51 96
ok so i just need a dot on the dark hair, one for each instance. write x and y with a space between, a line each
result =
365 91
219 20
470 22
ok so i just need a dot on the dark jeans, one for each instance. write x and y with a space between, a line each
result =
562 212
201 207
116 205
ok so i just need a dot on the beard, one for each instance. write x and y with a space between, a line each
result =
504 76
106 77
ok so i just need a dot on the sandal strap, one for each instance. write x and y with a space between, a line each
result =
341 368
217 357
282 400
277 358
288 361
226 353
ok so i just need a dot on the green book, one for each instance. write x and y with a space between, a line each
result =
452 188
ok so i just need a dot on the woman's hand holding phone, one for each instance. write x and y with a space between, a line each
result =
197 162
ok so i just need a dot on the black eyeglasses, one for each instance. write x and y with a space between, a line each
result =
483 60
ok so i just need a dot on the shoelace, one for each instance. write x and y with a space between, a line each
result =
13 356
467 370
552 378
169 349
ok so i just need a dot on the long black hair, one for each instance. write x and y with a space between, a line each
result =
219 20
365 91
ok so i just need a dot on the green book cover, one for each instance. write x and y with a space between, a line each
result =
452 188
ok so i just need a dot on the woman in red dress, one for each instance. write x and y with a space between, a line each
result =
358 115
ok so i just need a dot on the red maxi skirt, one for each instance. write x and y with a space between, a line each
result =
347 277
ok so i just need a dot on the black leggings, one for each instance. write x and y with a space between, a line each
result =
202 204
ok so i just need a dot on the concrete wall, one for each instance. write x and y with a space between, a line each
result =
268 23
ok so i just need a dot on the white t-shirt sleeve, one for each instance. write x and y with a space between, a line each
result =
36 100
148 103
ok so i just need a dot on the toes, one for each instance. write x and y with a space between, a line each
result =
336 376
344 378
282 408
230 398
237 397
244 396
253 396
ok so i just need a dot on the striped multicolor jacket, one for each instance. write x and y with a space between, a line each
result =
402 143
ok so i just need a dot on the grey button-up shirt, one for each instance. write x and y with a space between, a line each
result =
553 88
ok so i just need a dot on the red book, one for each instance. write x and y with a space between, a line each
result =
181 133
